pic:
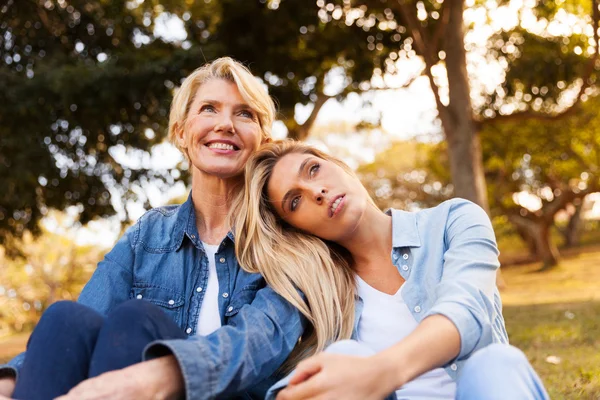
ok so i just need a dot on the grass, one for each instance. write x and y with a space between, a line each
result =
556 313
551 313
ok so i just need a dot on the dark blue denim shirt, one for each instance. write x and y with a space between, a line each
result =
161 259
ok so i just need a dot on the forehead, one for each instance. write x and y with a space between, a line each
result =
219 89
285 174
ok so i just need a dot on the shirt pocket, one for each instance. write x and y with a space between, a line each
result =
168 300
240 298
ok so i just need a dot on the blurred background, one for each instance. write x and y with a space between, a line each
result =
494 101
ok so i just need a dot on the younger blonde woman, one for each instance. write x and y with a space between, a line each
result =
415 291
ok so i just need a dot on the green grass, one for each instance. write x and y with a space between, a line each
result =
550 313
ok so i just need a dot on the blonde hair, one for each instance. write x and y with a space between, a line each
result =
292 261
226 68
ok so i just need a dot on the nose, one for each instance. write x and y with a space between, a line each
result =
225 124
319 195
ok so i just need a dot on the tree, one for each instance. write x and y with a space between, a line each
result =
52 268
555 161
79 79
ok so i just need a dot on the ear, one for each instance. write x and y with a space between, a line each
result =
179 134
266 139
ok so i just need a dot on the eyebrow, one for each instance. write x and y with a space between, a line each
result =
217 102
290 192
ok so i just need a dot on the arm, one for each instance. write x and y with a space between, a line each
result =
459 322
434 342
112 280
465 294
239 355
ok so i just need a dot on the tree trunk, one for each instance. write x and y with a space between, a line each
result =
546 249
539 230
528 240
572 233
464 146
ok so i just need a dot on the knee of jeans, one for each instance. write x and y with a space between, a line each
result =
349 347
498 355
69 315
132 312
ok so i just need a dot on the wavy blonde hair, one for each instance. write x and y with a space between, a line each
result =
313 275
228 69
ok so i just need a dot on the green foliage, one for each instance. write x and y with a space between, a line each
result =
402 177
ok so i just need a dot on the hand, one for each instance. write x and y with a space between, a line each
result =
7 387
160 378
335 376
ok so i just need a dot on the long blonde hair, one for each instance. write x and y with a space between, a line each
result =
226 68
313 275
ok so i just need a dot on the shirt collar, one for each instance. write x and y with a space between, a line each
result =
187 220
405 232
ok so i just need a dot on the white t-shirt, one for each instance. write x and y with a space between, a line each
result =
386 320
210 318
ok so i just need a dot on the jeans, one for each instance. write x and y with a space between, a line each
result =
496 372
73 342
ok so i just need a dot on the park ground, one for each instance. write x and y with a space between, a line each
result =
553 316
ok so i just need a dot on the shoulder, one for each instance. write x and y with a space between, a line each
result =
161 227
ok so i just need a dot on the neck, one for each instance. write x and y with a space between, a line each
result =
212 198
371 242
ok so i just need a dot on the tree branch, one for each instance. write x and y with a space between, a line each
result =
420 41
523 115
443 21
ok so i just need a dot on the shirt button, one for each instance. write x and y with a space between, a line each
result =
230 309
188 330
222 260
171 302
417 309
193 236
405 267
139 296
453 367
405 256
198 289
226 295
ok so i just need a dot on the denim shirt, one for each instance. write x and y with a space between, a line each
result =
161 259
448 258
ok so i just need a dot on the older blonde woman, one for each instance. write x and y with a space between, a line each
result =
171 292
415 291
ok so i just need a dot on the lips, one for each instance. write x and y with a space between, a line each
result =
336 204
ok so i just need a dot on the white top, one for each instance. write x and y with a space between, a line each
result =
385 321
210 318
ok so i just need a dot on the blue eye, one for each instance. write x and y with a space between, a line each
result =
294 203
207 107
314 169
247 114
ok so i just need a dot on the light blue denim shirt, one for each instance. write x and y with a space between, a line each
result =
449 257
161 259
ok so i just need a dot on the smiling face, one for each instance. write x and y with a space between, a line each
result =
221 130
317 196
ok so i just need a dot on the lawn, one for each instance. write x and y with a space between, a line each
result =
552 316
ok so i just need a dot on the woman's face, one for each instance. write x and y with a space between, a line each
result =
317 196
221 130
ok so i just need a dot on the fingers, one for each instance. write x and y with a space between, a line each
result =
306 369
308 389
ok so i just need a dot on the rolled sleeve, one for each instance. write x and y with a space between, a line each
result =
465 294
237 356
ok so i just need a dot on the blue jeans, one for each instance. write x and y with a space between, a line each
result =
496 372
73 342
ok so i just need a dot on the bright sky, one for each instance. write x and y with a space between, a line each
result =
406 113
